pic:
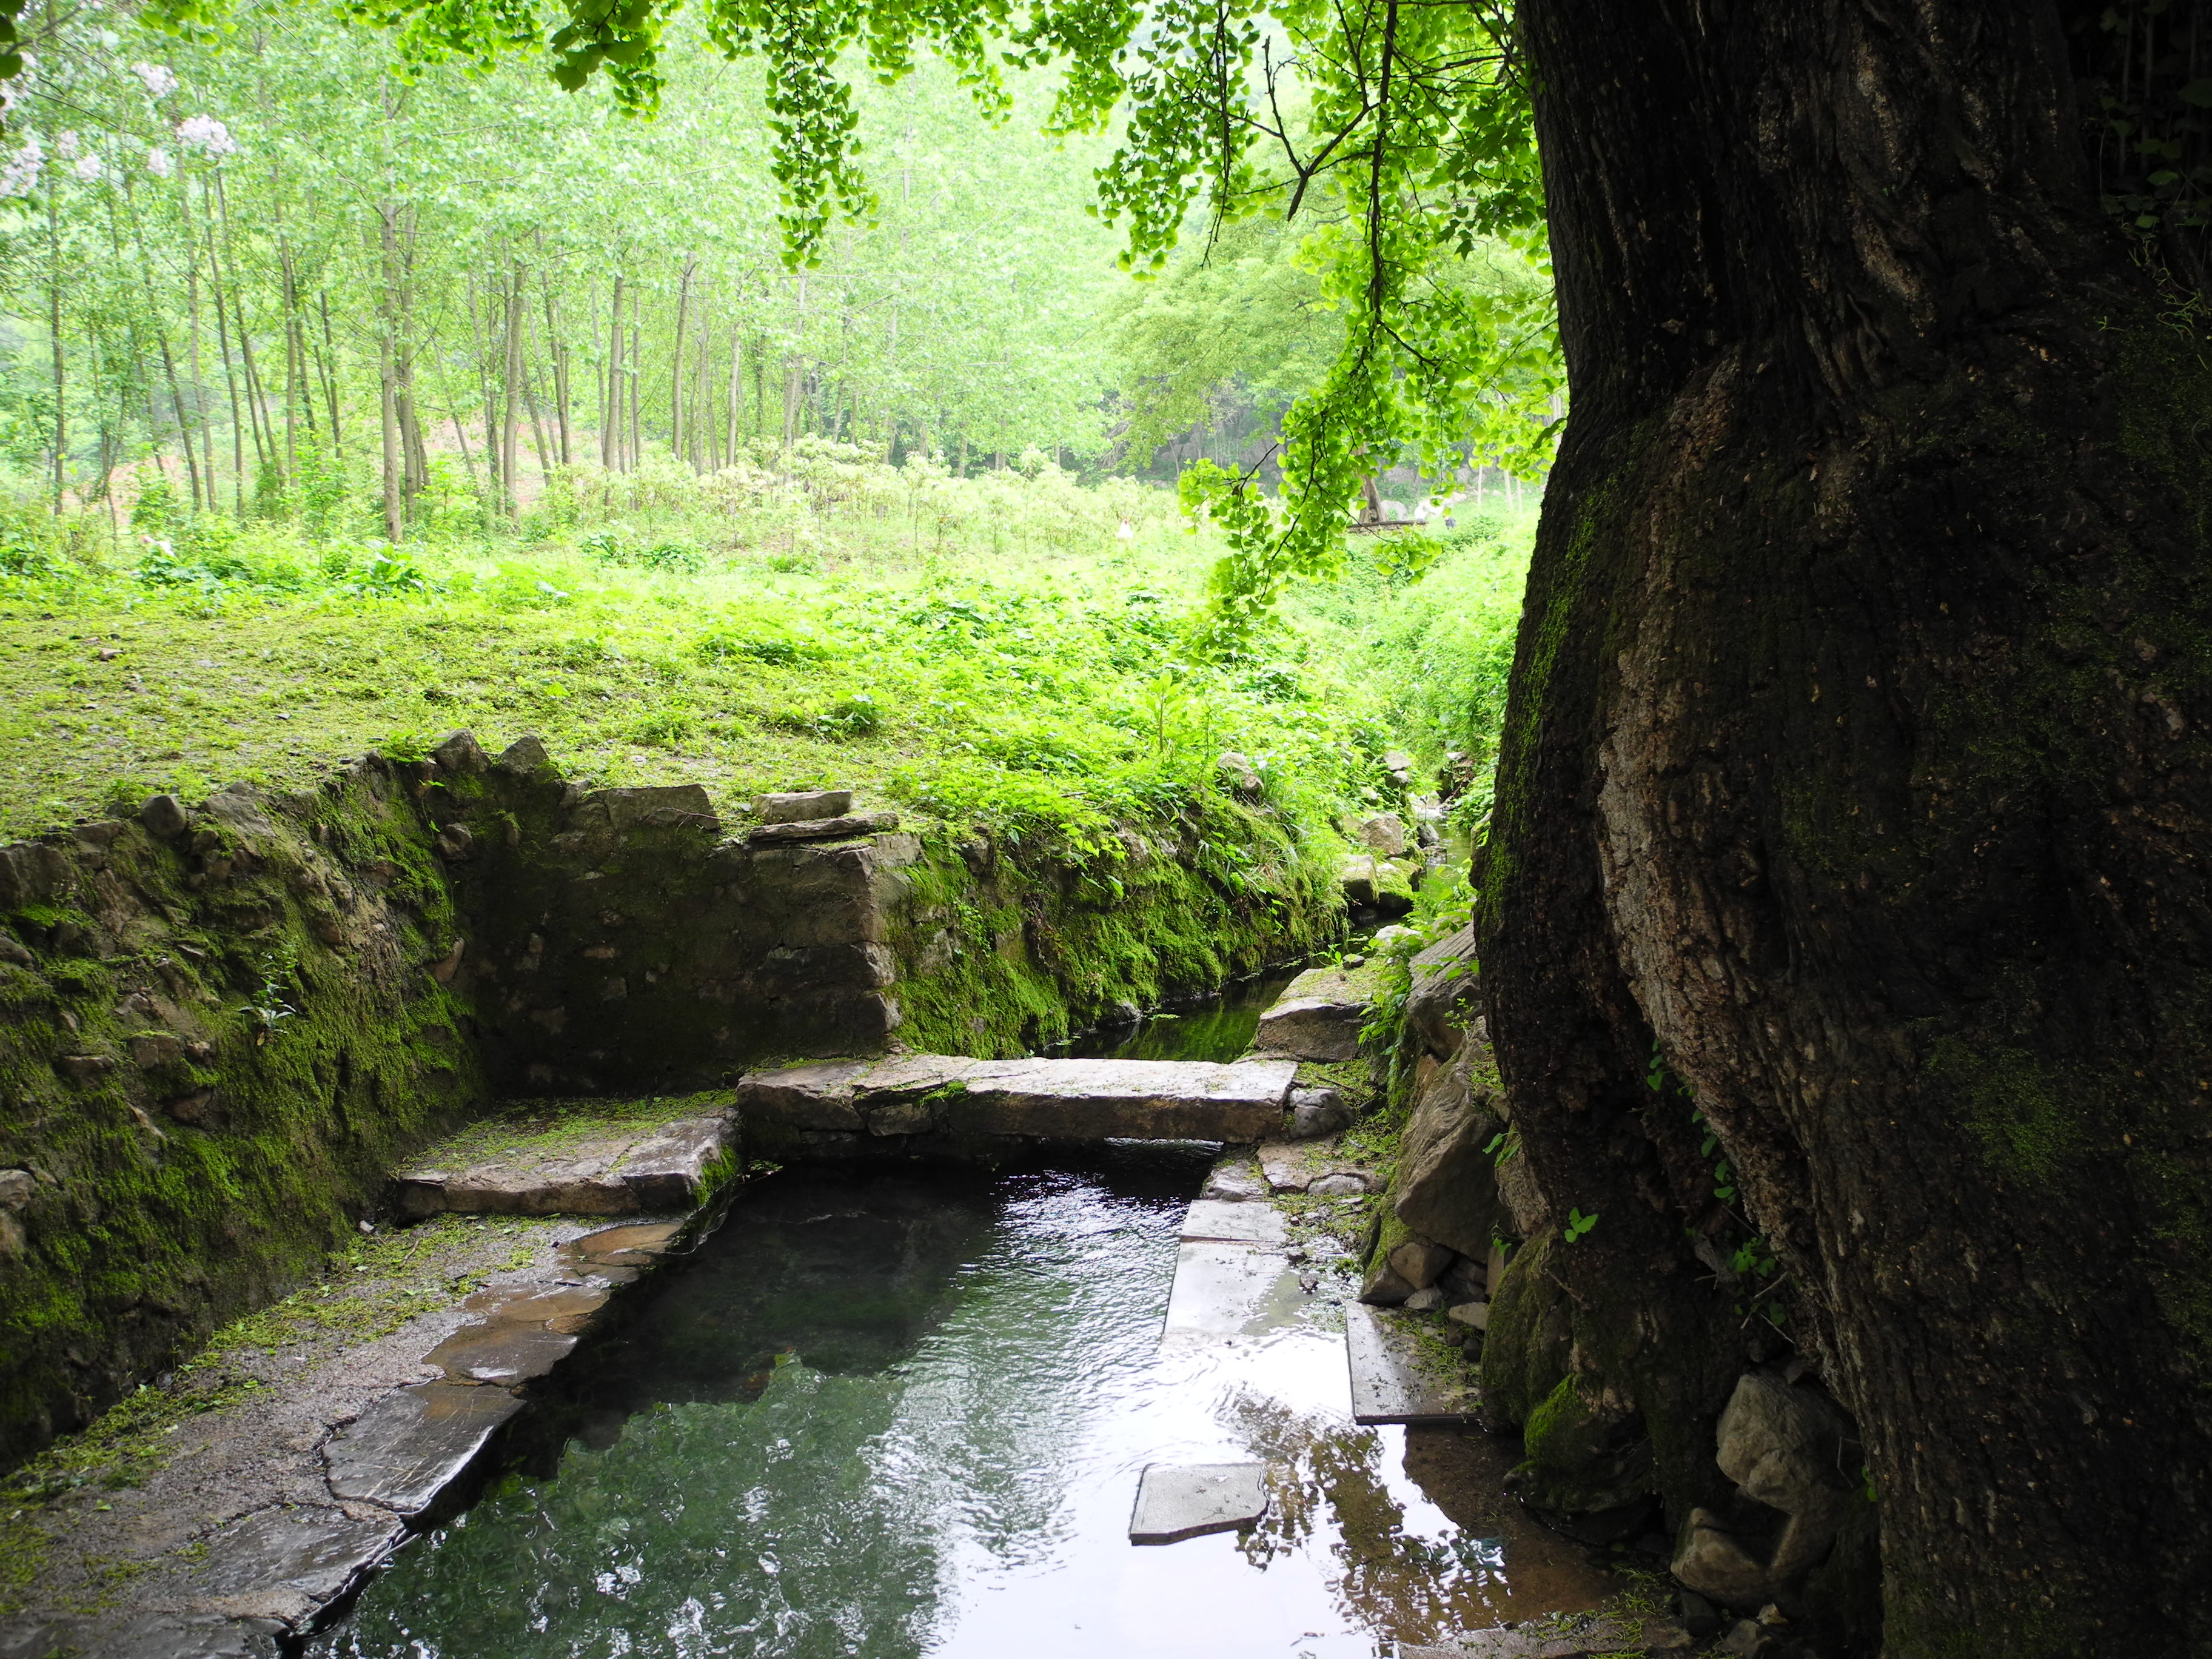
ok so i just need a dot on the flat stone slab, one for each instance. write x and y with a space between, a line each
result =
499 1352
1217 1221
1221 1290
951 1094
1293 1166
1608 1636
148 1635
831 828
1391 1382
287 1563
405 1450
1174 1503
625 1171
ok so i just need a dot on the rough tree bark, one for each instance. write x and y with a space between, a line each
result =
1857 755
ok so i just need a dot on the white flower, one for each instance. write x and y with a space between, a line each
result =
159 162
65 146
205 132
160 81
21 176
88 167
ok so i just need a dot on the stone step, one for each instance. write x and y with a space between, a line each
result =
601 1166
1612 1636
951 1096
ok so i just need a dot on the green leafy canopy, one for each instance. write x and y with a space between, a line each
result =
1396 132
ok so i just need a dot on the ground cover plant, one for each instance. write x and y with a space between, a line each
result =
1011 650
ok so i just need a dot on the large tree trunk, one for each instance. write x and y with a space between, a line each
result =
1857 755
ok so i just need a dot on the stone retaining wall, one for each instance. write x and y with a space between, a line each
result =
223 1025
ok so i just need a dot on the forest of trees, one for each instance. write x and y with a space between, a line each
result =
266 260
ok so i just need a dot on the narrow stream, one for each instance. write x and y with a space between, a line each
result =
902 1411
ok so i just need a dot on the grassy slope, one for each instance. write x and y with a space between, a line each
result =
963 679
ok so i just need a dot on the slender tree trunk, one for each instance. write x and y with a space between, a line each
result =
199 384
1855 770
636 377
737 393
222 342
54 331
387 353
512 378
161 339
557 351
326 366
611 403
676 364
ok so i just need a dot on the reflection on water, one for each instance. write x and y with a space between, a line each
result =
894 1414
1221 1028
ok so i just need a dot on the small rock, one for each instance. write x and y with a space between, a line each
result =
17 1188
1425 1301
1421 1262
1476 1314
107 653
1238 773
1383 1288
455 843
10 951
197 1109
164 815
1341 1183
83 1068
526 754
150 1050
1745 1641
459 751
802 805
1380 832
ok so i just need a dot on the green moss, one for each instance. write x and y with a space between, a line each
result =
1043 944
1524 1355
2014 1106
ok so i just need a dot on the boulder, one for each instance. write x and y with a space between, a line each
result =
1425 1301
1789 1448
1447 1186
1375 884
1384 1286
1317 1112
1440 1004
1317 1017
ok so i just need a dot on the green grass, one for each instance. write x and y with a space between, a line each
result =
972 651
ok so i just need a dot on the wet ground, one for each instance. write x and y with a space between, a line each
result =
904 1412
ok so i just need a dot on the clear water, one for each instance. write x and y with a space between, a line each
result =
900 1413
1221 1029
